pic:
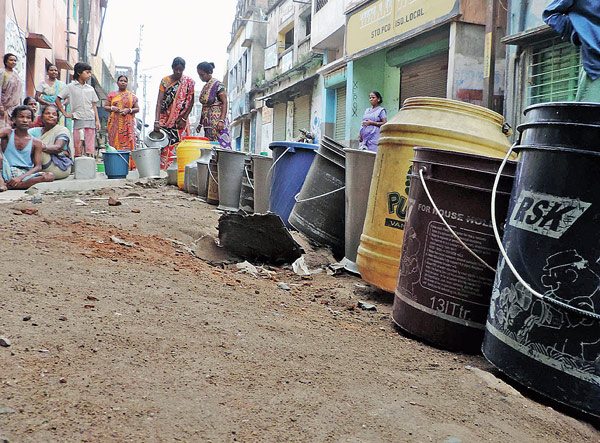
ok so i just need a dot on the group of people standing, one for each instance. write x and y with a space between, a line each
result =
37 148
176 100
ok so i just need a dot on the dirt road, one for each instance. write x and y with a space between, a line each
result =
145 343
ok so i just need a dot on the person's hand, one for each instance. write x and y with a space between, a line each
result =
124 111
157 126
367 123
97 125
359 138
14 182
68 114
199 127
1 111
180 124
220 126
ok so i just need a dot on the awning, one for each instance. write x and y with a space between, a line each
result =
63 64
301 87
529 36
38 41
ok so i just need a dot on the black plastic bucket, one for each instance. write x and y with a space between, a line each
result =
443 292
551 238
319 210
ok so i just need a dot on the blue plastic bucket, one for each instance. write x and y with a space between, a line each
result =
116 164
291 162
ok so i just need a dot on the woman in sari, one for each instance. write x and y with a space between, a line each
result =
47 91
174 103
121 106
56 151
10 91
214 107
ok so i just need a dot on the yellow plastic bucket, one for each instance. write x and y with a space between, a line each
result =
422 121
188 150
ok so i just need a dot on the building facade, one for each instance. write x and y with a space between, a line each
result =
541 66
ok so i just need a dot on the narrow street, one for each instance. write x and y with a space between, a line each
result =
148 342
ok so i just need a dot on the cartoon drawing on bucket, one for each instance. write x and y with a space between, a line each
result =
561 338
409 263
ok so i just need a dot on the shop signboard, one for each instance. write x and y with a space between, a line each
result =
383 20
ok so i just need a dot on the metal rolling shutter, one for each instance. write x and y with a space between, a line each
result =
340 114
279 112
427 77
301 114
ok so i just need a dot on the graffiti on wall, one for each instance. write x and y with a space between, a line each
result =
315 126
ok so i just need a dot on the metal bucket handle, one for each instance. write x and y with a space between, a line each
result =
275 162
438 212
122 158
248 177
317 196
539 295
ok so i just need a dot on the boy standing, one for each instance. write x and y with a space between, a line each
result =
21 154
83 99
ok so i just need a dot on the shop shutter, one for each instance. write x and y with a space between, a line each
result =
279 112
340 114
553 72
427 77
301 114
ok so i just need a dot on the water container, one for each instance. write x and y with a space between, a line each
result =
172 173
319 209
188 150
190 177
422 121
291 162
212 193
262 185
549 339
202 173
247 190
147 162
116 164
231 170
443 292
359 171
85 168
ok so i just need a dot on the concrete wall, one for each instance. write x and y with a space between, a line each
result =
465 68
328 20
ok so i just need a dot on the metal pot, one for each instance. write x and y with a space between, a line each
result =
157 139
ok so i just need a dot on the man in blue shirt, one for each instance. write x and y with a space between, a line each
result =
579 22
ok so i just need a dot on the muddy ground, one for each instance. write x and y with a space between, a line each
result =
147 342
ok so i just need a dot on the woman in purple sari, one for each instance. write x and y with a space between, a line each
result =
373 118
214 107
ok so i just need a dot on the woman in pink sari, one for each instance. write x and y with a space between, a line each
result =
10 90
174 104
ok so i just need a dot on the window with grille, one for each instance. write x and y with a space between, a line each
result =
553 72
320 4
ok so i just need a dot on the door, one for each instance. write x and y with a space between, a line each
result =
427 77
279 112
301 114
340 114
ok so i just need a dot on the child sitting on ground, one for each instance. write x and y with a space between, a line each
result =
21 154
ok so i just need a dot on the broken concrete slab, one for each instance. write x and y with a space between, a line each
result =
259 238
12 195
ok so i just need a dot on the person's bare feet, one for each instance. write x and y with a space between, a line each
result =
2 187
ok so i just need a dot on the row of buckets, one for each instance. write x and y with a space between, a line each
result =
482 252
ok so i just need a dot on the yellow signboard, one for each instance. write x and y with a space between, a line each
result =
385 19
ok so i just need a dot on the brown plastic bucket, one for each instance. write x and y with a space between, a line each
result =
443 292
212 195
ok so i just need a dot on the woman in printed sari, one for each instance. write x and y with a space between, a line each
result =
214 107
47 91
56 151
10 91
174 103
121 106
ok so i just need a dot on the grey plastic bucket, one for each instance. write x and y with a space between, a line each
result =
172 173
147 161
319 210
247 189
261 165
231 170
359 172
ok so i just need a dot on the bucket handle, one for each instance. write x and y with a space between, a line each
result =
317 196
275 162
248 176
539 295
211 175
438 212
122 158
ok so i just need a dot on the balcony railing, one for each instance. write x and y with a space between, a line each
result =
320 4
303 49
